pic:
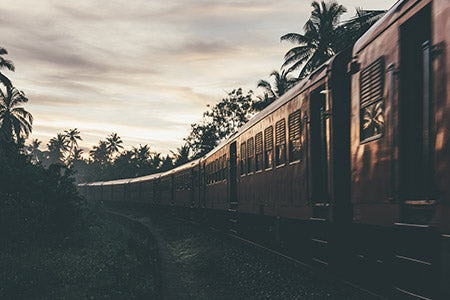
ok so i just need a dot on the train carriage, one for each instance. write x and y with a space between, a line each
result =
348 170
400 144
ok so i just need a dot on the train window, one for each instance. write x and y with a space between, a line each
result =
243 160
268 147
280 142
371 116
250 155
224 170
208 174
295 143
216 164
259 151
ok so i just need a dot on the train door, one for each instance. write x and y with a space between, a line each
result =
319 153
415 113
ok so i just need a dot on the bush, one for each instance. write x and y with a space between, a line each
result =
37 205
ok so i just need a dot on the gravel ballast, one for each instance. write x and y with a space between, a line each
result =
206 265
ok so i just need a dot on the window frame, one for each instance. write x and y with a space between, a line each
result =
259 134
280 163
291 139
372 102
266 130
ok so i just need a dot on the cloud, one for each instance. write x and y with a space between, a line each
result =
145 69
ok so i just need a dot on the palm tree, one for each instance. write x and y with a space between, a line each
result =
100 153
33 150
15 120
350 31
73 136
114 143
156 160
182 155
316 45
167 163
57 147
283 82
141 154
5 63
76 155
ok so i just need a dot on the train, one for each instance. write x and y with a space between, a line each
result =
348 171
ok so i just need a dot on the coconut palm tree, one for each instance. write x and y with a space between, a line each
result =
100 153
315 46
73 136
15 121
33 150
167 163
5 63
114 143
156 160
181 156
350 31
76 155
283 82
57 147
142 155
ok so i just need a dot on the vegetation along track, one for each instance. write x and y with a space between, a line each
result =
202 264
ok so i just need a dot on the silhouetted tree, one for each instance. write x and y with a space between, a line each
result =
181 155
114 143
16 122
100 153
34 152
220 121
167 163
156 161
5 63
283 82
73 136
324 36
316 45
57 147
350 31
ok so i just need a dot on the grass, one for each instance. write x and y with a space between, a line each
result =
113 262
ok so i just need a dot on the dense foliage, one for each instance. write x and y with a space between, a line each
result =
37 204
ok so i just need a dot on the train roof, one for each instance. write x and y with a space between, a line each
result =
186 166
145 178
381 25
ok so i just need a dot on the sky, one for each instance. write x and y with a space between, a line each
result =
145 69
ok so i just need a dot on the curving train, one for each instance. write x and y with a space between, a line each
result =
349 170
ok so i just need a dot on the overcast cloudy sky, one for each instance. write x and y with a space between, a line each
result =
143 68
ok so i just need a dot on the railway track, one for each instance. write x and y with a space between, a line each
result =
271 254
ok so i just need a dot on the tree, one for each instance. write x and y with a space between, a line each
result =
283 82
114 143
181 155
33 150
16 122
220 121
100 153
156 160
57 147
324 36
73 136
167 163
350 31
142 160
316 44
5 63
